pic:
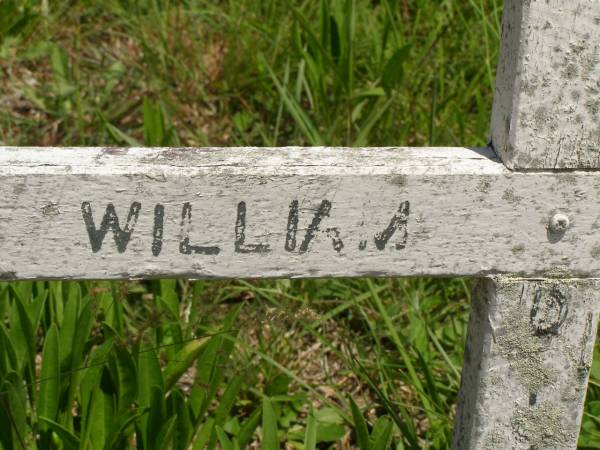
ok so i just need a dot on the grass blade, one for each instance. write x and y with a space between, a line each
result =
50 375
225 442
382 433
13 406
295 110
248 428
182 361
270 440
28 343
310 436
70 441
360 427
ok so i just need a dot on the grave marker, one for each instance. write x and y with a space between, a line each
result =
529 232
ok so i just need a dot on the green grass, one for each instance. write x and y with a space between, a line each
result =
367 364
343 72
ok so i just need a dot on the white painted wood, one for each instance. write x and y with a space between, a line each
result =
288 213
248 160
530 342
527 364
443 212
547 105
328 212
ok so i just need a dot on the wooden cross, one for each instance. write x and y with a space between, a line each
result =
523 217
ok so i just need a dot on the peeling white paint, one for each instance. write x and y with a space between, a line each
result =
337 212
530 342
382 212
547 105
525 380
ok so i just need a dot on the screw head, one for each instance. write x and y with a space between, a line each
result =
559 223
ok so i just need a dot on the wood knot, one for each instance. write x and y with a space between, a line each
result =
549 312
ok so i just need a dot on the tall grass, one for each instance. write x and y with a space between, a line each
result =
369 364
336 72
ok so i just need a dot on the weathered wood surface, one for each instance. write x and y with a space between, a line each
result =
295 212
527 363
547 104
530 342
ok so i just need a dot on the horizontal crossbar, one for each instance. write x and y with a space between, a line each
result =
107 213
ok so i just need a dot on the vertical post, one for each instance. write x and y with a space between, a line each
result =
527 363
530 342
547 101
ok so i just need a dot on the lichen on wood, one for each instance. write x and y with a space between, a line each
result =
530 346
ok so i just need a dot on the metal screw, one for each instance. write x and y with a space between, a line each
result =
559 223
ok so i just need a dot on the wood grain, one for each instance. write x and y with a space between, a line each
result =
527 364
547 103
288 212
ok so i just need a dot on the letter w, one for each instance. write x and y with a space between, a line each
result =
110 221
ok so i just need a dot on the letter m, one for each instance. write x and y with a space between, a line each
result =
110 221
